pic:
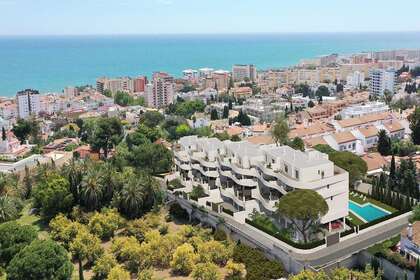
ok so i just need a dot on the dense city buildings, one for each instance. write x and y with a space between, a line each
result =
160 91
242 72
28 103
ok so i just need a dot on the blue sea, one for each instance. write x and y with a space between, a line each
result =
51 63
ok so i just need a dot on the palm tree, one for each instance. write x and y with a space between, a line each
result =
92 189
131 197
111 181
8 208
152 191
74 173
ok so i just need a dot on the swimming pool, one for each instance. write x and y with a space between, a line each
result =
367 212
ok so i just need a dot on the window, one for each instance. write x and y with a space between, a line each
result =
297 174
332 197
322 174
328 187
286 168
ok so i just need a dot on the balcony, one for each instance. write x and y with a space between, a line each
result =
266 203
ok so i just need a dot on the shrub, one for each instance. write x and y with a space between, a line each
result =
206 271
103 266
118 273
219 235
280 237
214 251
235 271
258 267
104 224
145 274
183 259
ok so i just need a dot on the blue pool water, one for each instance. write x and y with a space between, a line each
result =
367 211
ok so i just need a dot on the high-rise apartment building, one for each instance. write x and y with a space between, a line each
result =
160 91
382 80
244 72
139 84
28 103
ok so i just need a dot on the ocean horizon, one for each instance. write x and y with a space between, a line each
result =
50 63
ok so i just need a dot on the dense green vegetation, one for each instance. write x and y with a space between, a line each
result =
125 99
354 165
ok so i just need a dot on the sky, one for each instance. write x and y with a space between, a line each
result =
84 17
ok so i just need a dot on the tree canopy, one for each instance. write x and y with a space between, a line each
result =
42 259
304 208
280 130
414 119
13 238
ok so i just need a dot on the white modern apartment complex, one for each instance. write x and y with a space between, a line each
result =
360 110
242 72
242 176
160 92
382 80
28 103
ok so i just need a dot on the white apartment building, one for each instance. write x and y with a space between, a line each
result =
242 176
160 92
382 80
360 110
205 72
28 103
242 72
190 75
356 79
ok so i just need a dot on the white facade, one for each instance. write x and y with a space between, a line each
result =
382 80
28 103
356 79
243 72
356 111
247 176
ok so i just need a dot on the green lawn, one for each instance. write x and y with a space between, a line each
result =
373 201
33 220
355 220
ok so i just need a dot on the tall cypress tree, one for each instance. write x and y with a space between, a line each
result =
417 272
392 173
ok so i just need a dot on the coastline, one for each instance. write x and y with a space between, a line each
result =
50 63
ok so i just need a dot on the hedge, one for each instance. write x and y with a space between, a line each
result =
227 211
347 232
304 246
